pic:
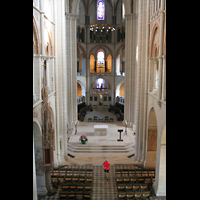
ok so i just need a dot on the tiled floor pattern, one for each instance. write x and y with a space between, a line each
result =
102 189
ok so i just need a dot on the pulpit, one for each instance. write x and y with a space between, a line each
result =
120 131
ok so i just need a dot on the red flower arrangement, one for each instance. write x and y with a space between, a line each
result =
83 139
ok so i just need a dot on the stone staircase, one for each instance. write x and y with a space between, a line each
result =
89 148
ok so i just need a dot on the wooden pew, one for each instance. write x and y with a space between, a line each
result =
135 179
133 195
132 187
117 111
74 195
134 172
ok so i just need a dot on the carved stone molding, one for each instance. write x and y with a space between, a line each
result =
131 16
159 103
72 17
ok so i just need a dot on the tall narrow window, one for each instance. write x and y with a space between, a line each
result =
100 10
109 64
100 62
92 64
100 57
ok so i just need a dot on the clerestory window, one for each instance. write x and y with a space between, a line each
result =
100 10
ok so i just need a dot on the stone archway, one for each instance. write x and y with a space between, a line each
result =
151 139
160 179
38 150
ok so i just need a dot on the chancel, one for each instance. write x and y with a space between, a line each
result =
99 66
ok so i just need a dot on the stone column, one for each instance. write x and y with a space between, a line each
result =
87 92
151 75
60 80
113 72
161 52
141 80
71 54
34 175
137 85
155 63
160 64
164 79
130 57
42 27
144 78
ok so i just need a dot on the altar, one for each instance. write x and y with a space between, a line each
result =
100 130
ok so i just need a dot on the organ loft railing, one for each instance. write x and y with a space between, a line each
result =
48 140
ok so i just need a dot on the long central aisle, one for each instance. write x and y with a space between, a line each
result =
103 189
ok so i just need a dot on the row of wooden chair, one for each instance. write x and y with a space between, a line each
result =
101 119
71 171
132 187
158 198
134 195
74 195
76 187
56 180
135 179
134 172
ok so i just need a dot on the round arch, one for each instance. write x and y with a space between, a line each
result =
107 50
117 90
107 84
83 87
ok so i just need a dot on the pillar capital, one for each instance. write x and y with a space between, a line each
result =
131 16
70 16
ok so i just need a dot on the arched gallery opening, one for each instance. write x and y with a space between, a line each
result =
38 155
151 139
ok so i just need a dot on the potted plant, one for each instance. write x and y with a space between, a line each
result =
83 139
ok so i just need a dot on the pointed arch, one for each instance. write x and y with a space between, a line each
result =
121 47
83 50
154 32
151 139
36 34
50 40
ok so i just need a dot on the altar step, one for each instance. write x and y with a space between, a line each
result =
86 148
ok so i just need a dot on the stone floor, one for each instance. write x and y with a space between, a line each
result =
87 128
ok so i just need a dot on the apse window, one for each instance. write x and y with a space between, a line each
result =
100 83
100 65
100 57
100 10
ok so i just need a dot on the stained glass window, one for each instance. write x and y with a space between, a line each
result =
100 83
100 57
100 10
